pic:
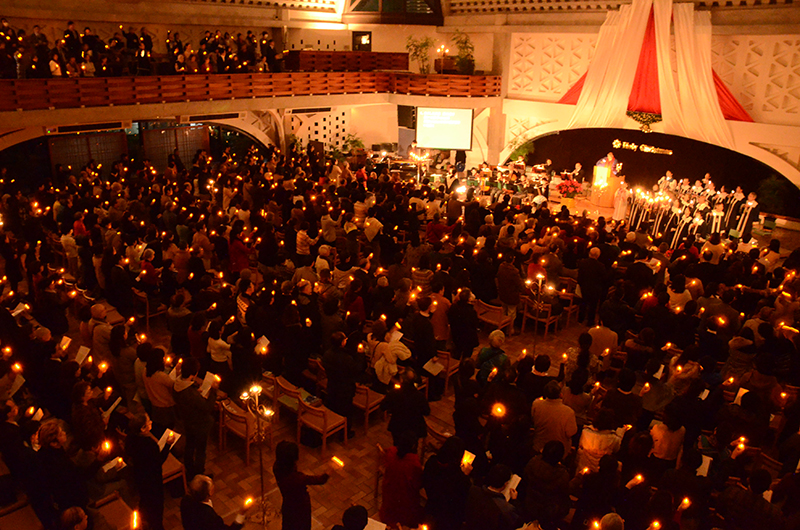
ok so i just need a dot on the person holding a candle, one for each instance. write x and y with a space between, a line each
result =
196 413
145 458
296 507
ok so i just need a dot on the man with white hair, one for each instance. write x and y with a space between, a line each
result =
197 510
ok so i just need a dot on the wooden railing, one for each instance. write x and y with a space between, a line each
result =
464 7
36 94
344 61
316 5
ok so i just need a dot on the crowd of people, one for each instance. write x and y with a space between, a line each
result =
669 411
30 55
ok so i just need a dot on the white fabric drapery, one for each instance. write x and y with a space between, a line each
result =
689 107
671 112
702 114
604 98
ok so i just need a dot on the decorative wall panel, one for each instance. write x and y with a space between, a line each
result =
544 66
763 72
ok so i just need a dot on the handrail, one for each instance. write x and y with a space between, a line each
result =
62 93
464 7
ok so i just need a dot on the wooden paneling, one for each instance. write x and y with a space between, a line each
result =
319 61
35 94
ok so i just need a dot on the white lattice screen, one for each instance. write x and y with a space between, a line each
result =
763 72
544 66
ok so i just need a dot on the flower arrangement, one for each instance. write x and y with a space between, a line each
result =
569 188
645 119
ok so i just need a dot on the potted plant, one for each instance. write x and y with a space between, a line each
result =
419 50
568 189
465 60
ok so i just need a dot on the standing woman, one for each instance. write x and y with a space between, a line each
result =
123 361
141 449
296 507
158 385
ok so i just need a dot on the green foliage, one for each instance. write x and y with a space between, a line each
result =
352 142
465 60
419 51
772 193
521 149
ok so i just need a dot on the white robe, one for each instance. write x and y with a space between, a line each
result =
620 203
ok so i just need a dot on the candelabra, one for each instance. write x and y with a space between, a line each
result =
250 402
443 51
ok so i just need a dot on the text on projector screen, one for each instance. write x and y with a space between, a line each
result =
444 128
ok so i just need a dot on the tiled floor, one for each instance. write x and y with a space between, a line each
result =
353 484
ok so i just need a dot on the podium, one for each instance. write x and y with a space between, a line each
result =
604 186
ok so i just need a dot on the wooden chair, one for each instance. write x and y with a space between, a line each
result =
242 423
320 419
171 469
316 374
434 440
539 312
115 511
288 395
142 298
567 294
450 365
492 314
269 390
379 469
367 401
20 516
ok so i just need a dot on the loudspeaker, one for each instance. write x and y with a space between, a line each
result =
407 116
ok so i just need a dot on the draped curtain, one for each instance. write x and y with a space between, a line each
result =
604 98
702 115
632 69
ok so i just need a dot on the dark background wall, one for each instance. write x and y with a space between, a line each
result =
690 159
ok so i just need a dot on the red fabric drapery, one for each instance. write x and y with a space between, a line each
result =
645 96
731 108
574 92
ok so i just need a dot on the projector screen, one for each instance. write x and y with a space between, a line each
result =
444 128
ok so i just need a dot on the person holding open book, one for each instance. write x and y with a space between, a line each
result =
146 458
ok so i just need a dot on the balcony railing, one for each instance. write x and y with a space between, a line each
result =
38 94
465 7
344 61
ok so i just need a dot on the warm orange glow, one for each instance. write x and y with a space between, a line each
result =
498 410
17 368
248 501
685 503
135 520
338 461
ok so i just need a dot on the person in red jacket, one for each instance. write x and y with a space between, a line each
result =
239 255
402 481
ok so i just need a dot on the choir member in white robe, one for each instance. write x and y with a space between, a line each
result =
748 215
621 202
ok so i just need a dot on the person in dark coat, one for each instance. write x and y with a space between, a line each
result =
342 372
446 484
592 278
408 408
196 413
419 329
487 508
463 325
146 459
296 507
66 484
119 287
197 512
